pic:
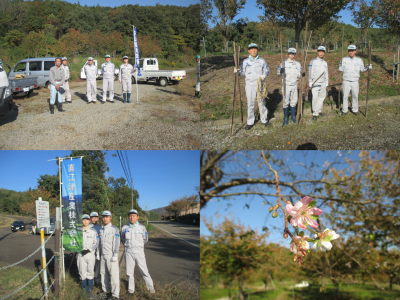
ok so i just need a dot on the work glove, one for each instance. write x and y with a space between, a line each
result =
97 257
263 77
282 70
235 70
114 259
84 252
304 74
310 84
370 67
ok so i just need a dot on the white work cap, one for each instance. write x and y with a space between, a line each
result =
106 213
85 216
125 57
64 58
252 45
107 55
321 48
352 47
94 214
90 58
292 50
132 211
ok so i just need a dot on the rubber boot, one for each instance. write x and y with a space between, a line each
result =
285 112
51 108
90 286
124 94
60 109
293 114
84 286
129 97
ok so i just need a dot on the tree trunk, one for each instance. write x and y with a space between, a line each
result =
390 282
241 294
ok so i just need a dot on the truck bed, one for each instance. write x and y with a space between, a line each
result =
23 84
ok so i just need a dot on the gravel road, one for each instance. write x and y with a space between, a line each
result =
162 120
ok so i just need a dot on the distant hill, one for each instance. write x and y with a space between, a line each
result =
160 210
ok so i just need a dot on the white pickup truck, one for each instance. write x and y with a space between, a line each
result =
149 72
83 75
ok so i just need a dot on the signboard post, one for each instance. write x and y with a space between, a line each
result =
42 213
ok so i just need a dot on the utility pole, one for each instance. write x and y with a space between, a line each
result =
204 45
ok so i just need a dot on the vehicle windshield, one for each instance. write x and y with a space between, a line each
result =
18 223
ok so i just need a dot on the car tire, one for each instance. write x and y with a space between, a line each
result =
163 81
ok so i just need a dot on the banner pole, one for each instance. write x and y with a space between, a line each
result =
136 61
44 262
61 222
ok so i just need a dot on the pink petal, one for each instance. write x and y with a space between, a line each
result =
306 200
300 223
311 222
289 207
293 221
298 205
316 211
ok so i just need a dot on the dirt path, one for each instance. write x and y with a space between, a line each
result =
164 118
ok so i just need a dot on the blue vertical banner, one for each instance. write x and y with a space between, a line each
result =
136 50
72 204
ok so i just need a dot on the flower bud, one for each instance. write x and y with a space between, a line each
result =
271 209
275 207
285 235
274 214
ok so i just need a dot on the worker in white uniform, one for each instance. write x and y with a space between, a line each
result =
86 258
91 74
94 218
126 71
109 247
351 68
133 237
292 72
253 68
108 71
56 78
67 98
318 81
198 77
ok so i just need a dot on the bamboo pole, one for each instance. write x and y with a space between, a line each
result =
369 73
283 78
238 86
234 88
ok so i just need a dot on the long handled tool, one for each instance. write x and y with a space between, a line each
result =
283 78
342 66
304 66
236 87
369 73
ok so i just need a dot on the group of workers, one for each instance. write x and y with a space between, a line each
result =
59 75
98 262
254 68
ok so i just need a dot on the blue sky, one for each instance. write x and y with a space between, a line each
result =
159 176
116 3
257 216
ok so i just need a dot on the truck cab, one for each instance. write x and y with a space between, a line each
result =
6 99
148 64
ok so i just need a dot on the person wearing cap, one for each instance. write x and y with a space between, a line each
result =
318 81
351 67
56 78
86 258
33 226
198 77
126 71
133 237
94 218
108 71
109 247
292 72
66 84
91 74
253 68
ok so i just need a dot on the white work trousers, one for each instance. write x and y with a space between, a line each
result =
291 96
67 92
86 265
91 89
131 259
109 274
198 83
318 97
347 87
251 94
108 83
126 85
54 93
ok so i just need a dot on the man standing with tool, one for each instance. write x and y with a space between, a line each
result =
108 71
91 74
86 259
198 77
351 68
253 68
94 218
109 268
133 237
126 71
292 72
66 83
318 81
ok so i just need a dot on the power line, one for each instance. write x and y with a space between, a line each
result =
123 167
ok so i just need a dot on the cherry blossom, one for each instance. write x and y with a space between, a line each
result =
303 213
303 241
325 238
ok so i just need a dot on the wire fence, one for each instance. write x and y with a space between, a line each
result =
44 269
